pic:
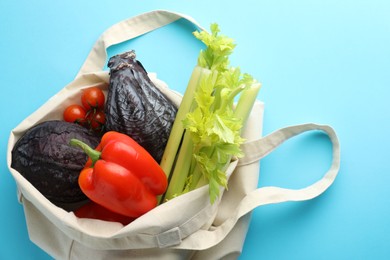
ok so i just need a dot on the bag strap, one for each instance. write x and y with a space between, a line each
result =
126 30
254 151
260 148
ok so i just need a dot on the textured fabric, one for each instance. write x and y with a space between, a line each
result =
185 227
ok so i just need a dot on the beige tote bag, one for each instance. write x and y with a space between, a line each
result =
187 227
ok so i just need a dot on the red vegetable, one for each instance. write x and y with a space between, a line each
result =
121 175
95 211
96 119
74 114
92 98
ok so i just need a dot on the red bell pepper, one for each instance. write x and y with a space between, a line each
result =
121 175
96 211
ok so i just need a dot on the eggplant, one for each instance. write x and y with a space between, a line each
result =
136 107
45 158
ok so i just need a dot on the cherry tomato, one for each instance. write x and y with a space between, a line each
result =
92 98
74 114
96 119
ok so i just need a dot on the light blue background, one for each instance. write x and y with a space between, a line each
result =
319 61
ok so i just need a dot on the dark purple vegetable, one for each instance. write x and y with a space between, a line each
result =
136 107
45 158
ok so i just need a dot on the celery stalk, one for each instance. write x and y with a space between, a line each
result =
181 169
207 123
246 102
174 139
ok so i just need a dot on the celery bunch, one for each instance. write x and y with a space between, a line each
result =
206 132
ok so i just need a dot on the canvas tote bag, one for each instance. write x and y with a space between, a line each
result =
187 227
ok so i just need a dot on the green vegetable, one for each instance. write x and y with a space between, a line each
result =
206 132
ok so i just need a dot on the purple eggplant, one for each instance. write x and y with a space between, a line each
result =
45 158
136 107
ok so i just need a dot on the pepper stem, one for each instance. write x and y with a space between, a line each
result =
93 154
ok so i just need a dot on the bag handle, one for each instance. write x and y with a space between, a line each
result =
262 147
127 30
254 151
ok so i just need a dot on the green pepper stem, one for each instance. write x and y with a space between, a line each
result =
93 154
